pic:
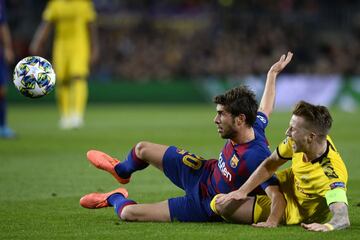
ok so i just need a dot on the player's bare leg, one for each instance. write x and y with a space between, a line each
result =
237 211
151 153
156 212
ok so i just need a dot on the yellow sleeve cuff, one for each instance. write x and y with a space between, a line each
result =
336 195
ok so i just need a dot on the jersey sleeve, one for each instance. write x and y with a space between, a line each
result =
89 11
284 150
336 173
49 13
336 180
261 121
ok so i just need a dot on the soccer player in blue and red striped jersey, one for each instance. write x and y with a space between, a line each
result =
241 121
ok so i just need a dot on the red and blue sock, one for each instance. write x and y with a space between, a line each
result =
118 201
131 164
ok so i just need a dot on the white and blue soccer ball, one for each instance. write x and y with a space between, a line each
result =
34 77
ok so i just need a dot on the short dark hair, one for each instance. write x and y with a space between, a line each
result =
239 100
317 117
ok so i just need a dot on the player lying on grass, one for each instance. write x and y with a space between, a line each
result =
313 186
238 119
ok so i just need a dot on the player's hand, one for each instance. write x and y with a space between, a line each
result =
265 225
281 64
225 199
316 227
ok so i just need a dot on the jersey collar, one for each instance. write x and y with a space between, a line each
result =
319 159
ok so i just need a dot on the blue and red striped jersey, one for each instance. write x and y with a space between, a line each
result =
237 162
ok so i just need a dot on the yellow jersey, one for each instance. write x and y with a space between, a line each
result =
71 49
305 184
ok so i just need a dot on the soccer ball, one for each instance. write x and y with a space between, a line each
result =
34 77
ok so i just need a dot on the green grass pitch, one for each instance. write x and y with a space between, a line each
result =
44 172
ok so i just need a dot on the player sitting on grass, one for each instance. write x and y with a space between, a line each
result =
238 119
313 186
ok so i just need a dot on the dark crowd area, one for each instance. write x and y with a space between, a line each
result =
190 39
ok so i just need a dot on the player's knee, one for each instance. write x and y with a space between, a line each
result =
128 214
222 210
141 149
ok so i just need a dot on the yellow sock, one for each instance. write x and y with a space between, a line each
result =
63 100
79 96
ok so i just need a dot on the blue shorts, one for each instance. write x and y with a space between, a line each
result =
187 171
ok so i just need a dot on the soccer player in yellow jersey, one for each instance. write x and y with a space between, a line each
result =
314 186
75 47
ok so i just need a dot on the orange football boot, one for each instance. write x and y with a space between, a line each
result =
103 161
99 200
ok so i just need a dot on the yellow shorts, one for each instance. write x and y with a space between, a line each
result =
294 212
262 207
68 64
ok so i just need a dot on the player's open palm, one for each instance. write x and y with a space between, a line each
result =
316 227
281 64
265 225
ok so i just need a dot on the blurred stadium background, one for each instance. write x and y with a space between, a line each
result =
196 48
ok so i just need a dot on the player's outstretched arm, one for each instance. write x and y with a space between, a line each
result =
268 98
40 37
278 204
340 219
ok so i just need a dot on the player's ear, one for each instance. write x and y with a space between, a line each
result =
311 137
240 119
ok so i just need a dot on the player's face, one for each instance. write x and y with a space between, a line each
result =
225 123
299 134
